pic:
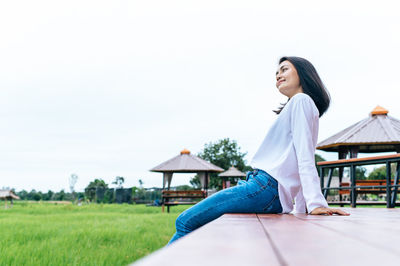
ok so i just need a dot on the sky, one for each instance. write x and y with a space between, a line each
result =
113 88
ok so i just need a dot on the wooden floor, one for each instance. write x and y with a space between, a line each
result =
370 236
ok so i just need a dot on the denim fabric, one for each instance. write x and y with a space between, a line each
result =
258 194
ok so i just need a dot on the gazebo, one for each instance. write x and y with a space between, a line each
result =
185 162
8 195
231 172
377 133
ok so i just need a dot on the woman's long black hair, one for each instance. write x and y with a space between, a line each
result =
310 82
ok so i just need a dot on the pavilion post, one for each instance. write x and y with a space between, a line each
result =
328 184
395 183
167 178
202 177
388 185
322 177
206 183
164 180
342 155
353 194
354 151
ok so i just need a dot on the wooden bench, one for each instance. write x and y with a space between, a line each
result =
378 190
168 196
369 236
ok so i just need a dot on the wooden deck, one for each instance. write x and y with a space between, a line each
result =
369 236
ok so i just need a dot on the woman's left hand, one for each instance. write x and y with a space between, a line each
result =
328 211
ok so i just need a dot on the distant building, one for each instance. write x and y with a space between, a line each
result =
8 195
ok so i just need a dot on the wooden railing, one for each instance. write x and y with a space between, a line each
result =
390 187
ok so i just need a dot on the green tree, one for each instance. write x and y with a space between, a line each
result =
34 195
48 195
59 195
37 196
223 153
119 181
361 172
90 190
23 194
380 172
184 187
319 158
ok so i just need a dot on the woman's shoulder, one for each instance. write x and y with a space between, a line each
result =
305 101
301 96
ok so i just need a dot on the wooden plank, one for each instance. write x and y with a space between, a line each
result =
237 239
360 202
302 242
385 218
359 159
173 203
377 228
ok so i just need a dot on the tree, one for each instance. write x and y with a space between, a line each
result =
59 195
48 195
37 196
380 172
119 180
319 158
72 181
34 195
23 194
223 153
90 190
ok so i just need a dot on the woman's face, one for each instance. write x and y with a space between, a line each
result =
287 80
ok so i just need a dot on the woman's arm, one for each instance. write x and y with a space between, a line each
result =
304 128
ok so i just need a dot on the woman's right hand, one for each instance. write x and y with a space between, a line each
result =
328 211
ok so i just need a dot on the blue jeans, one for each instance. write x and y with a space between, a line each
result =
258 194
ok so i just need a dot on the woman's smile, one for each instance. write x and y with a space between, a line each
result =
279 82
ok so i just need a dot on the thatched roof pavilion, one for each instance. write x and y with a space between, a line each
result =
186 162
377 133
231 172
8 195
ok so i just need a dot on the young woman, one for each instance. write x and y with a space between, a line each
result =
284 165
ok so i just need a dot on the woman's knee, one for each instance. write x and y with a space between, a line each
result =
181 223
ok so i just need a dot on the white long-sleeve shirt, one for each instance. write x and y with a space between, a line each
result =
287 154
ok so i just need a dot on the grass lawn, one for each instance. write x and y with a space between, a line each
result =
51 234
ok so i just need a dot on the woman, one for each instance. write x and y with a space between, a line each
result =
284 164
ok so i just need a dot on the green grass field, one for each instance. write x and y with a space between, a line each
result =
50 234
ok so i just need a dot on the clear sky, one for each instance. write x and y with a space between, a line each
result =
107 88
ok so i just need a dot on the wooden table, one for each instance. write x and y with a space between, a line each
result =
370 236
